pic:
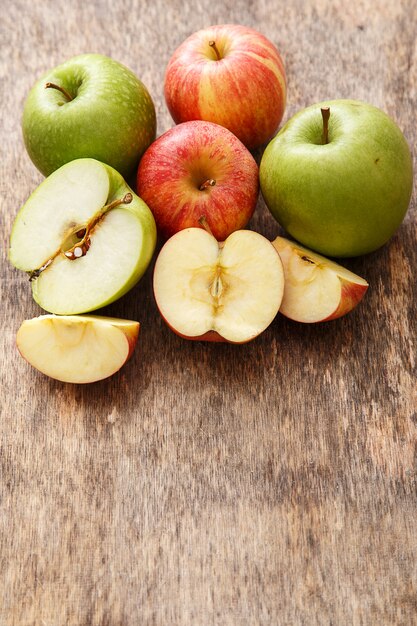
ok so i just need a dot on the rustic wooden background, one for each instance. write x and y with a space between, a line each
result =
272 483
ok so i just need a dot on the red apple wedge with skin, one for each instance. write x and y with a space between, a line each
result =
316 289
194 169
77 348
212 291
231 75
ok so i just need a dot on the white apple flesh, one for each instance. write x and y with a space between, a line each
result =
316 289
77 349
86 208
218 292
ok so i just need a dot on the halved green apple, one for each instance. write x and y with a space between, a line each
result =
84 238
77 348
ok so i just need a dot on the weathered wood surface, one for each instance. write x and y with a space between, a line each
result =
272 483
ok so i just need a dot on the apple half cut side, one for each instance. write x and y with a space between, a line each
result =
218 292
316 289
77 348
84 238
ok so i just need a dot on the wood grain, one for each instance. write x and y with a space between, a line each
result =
272 483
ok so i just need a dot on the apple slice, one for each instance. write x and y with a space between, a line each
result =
316 289
218 292
84 238
77 349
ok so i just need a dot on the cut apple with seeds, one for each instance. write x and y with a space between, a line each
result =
218 292
77 348
84 238
316 289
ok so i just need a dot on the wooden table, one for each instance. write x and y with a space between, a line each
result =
272 483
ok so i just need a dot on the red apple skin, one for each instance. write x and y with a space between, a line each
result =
132 339
211 336
180 161
245 90
351 295
131 333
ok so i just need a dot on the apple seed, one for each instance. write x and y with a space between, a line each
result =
307 259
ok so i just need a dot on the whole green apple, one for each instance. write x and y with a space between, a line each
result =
83 237
338 177
90 106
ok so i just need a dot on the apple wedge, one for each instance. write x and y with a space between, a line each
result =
218 292
77 349
84 238
316 289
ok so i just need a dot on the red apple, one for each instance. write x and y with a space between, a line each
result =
218 292
199 169
77 348
316 289
231 75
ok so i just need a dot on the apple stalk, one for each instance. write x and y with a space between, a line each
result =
212 45
325 113
61 89
208 183
81 248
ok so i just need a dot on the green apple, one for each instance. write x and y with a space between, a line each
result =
84 238
338 177
90 106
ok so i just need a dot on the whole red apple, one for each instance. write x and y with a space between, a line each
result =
199 169
231 75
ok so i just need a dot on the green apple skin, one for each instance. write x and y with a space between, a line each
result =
101 276
344 198
111 117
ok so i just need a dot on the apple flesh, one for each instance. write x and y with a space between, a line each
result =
77 349
230 75
316 289
343 192
194 169
218 292
90 106
84 238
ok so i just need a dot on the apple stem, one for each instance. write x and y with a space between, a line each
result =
81 247
204 224
212 44
61 89
127 199
325 113
35 273
208 183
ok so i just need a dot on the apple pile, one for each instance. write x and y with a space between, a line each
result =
337 177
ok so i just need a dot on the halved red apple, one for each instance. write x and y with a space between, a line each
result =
218 292
77 348
316 289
